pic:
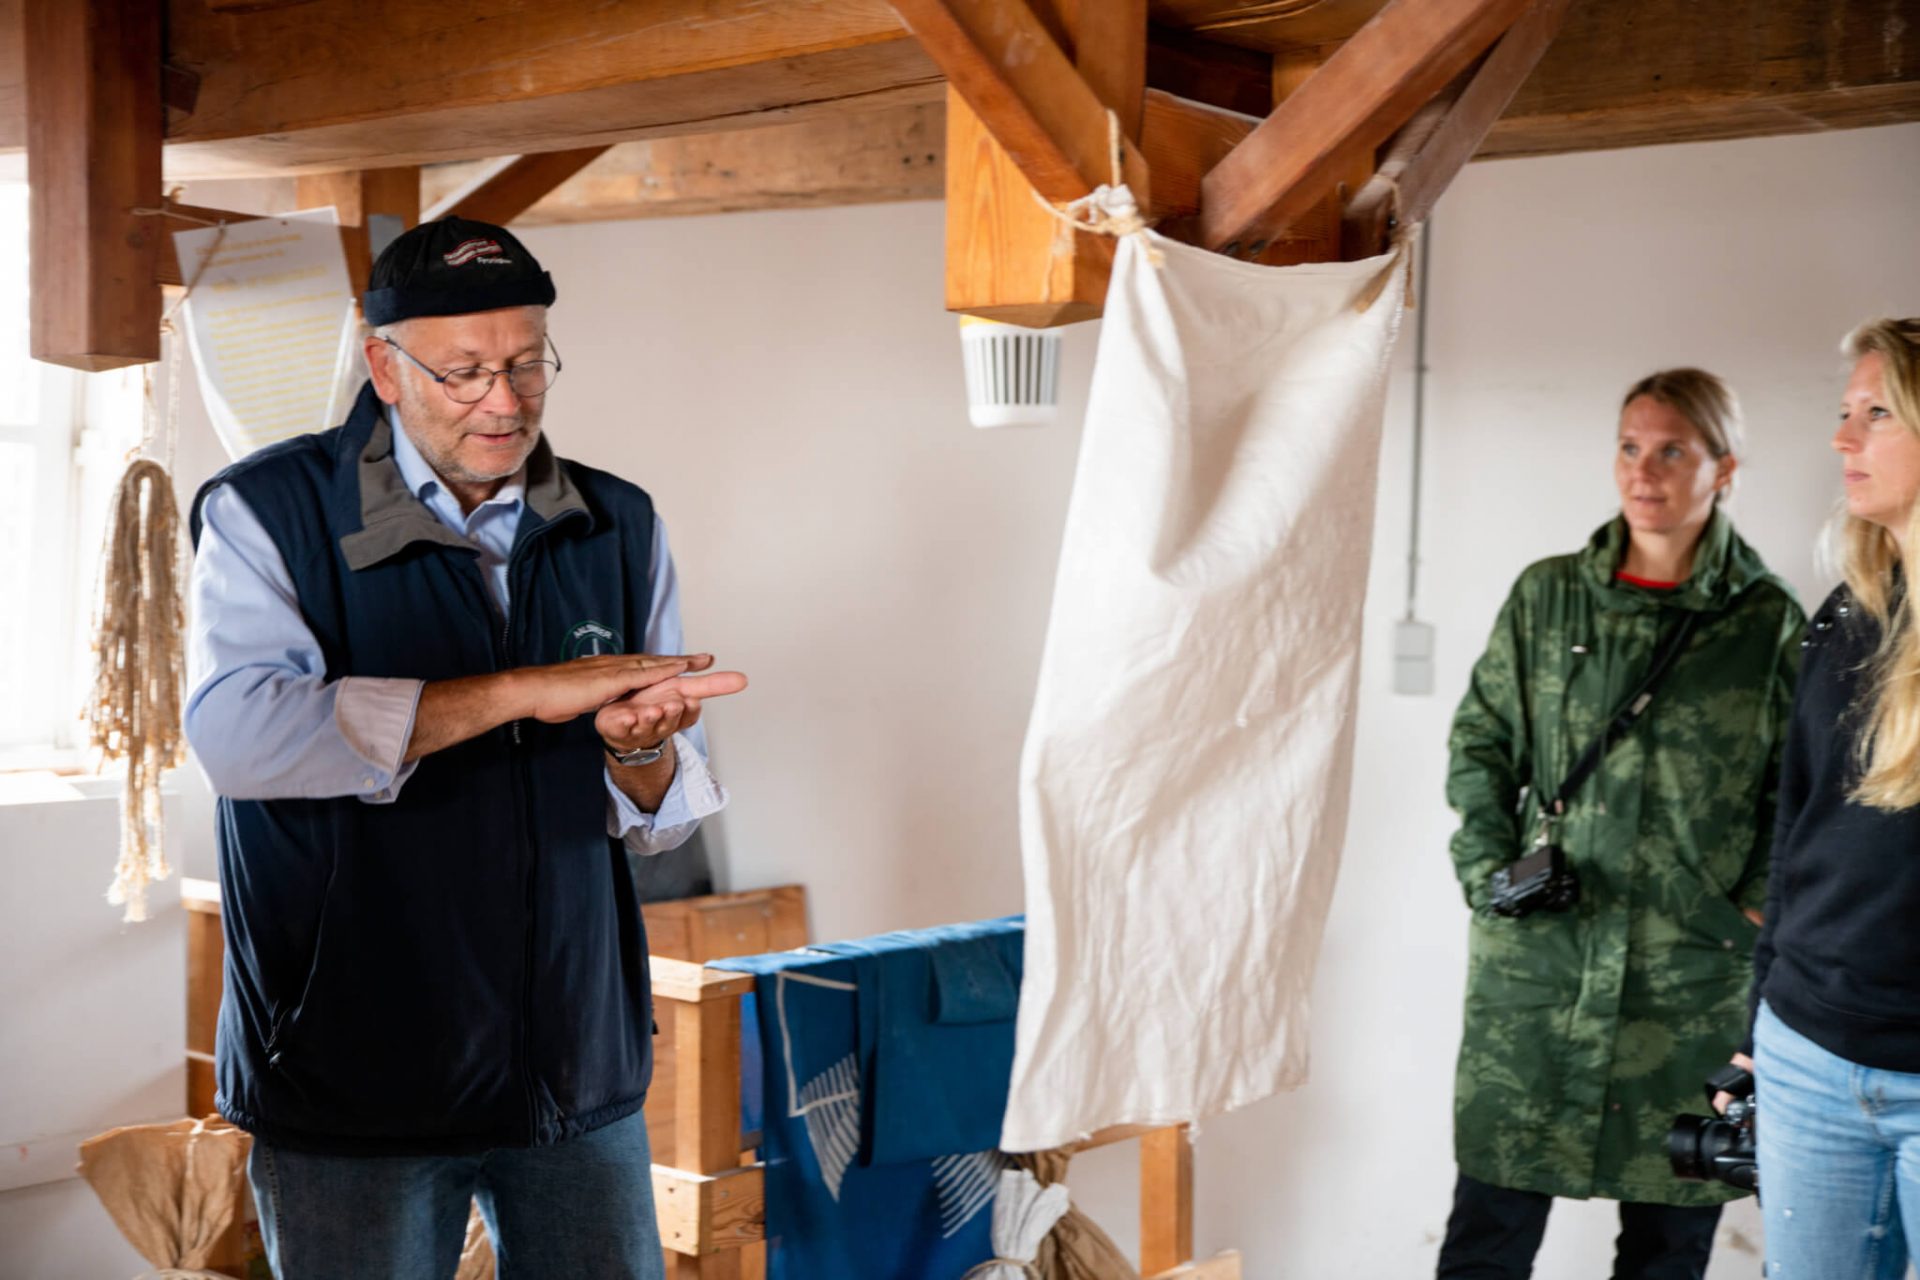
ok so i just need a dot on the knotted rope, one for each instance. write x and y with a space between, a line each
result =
1108 210
988 1268
133 711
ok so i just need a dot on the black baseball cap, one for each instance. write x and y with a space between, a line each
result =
452 266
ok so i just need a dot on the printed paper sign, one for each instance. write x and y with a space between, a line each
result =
272 324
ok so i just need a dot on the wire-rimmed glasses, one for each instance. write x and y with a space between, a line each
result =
529 380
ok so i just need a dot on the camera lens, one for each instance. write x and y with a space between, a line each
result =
1684 1142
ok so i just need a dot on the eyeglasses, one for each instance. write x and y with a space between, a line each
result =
529 380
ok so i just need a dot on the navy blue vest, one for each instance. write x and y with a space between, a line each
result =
466 967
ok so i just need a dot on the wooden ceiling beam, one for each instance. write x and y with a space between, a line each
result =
1182 141
352 84
1370 87
1424 158
830 160
93 134
1200 70
302 89
1001 60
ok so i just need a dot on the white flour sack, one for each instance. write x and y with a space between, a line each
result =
1184 785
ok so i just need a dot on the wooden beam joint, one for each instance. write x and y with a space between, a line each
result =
998 57
1424 158
1361 95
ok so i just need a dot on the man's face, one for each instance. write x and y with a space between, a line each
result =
482 443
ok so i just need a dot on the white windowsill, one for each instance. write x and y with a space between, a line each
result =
44 786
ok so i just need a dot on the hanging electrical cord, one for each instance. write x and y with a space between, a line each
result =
1419 417
1412 639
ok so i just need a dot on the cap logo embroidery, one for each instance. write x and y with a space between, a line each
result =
480 250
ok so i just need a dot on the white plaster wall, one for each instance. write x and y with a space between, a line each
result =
92 1028
789 389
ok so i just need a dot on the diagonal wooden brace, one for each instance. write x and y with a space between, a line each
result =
1425 157
1370 87
515 186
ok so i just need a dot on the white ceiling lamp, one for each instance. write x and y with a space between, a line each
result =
1013 373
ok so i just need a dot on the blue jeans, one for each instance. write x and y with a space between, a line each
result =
1839 1150
575 1209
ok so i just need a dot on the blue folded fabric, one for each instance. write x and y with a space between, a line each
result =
884 1072
974 981
939 1085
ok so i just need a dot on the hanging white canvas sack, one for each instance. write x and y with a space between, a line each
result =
1184 785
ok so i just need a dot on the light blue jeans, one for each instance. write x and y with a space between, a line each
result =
1839 1151
577 1209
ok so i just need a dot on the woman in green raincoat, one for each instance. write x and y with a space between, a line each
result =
1588 1029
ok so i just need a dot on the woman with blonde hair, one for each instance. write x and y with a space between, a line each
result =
1836 1032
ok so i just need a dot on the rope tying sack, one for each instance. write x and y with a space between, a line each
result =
1108 210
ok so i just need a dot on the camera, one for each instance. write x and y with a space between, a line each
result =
1541 881
1719 1148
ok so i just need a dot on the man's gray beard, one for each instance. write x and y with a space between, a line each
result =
448 469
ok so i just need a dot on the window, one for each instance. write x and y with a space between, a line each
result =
64 437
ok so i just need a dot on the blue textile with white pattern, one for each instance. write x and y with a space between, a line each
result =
884 1070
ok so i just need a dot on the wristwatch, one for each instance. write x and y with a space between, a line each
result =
639 755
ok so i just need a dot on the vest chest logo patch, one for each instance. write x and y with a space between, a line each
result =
585 639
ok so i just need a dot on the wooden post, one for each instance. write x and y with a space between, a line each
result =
356 195
1166 1200
94 121
1007 258
1011 132
704 1005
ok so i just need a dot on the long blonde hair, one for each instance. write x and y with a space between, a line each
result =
1870 558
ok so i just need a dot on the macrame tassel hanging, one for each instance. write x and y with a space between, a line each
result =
134 712
139 648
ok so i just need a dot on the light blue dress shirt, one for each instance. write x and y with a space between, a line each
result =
266 724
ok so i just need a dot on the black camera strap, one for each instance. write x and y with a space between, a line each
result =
1629 713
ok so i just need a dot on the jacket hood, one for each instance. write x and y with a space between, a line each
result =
1724 567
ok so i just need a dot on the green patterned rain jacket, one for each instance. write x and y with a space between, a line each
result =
1587 1032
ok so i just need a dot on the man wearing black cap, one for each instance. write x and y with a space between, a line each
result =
435 688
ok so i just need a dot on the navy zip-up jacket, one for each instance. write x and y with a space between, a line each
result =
1838 959
465 967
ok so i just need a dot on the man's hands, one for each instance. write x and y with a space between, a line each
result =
654 714
648 686
558 693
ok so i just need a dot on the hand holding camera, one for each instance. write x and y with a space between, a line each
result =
1719 1148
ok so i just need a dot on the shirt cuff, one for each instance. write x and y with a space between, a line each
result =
693 795
375 718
